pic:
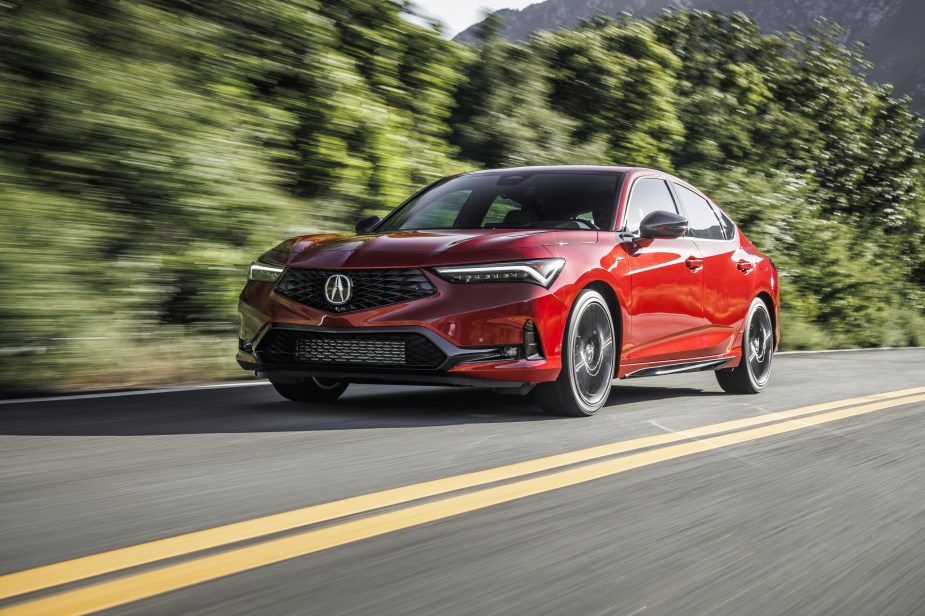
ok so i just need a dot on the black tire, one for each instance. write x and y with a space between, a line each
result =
754 370
588 361
312 390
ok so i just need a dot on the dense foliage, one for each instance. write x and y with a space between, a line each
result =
149 149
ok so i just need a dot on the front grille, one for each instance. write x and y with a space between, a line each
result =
386 350
370 288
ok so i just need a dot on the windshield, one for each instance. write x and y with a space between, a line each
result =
511 200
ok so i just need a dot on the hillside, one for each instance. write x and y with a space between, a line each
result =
891 28
149 151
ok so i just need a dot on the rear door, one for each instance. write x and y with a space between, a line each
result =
666 280
728 283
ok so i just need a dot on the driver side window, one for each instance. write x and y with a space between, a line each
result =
648 195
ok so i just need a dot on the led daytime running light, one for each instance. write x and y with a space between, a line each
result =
539 271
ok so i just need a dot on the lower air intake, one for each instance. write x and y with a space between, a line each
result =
386 350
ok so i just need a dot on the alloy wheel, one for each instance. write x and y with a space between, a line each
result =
592 348
759 345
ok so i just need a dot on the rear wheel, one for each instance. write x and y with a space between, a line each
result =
754 369
312 390
588 360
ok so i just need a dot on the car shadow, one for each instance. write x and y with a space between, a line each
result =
260 409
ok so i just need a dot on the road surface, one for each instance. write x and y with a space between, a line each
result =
675 499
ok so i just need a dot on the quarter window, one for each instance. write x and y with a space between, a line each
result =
648 195
729 228
702 222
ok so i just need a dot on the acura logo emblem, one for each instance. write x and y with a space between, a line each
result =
338 289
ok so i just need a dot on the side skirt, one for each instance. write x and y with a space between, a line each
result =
691 366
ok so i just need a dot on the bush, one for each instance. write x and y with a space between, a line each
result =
150 149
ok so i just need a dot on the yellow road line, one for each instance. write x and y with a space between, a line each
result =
73 570
105 595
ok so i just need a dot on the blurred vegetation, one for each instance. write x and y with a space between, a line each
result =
150 149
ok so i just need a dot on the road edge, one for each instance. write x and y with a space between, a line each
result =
251 383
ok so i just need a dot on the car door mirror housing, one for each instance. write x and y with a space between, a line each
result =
662 224
365 225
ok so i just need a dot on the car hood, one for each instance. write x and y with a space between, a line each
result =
429 248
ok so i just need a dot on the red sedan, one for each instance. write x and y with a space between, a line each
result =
551 281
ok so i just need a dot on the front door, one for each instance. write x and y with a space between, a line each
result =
666 285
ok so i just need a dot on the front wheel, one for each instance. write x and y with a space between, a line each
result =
588 361
311 390
754 369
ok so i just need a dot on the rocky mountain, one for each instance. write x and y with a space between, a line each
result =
893 29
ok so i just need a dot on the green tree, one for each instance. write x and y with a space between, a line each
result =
149 149
618 81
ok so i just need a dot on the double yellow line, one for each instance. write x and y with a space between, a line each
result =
495 485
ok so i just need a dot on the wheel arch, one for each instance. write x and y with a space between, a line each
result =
616 314
772 311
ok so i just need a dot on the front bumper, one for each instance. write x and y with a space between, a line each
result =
471 326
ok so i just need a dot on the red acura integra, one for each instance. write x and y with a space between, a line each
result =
547 280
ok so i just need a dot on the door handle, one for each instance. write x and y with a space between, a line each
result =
745 266
694 263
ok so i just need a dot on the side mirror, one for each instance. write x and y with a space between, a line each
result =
367 224
662 224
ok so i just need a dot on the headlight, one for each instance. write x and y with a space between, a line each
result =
537 271
264 272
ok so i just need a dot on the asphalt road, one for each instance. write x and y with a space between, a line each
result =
821 511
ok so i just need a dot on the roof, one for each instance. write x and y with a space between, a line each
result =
598 168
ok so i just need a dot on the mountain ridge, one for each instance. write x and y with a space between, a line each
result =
891 29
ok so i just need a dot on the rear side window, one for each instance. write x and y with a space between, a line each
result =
648 195
702 222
